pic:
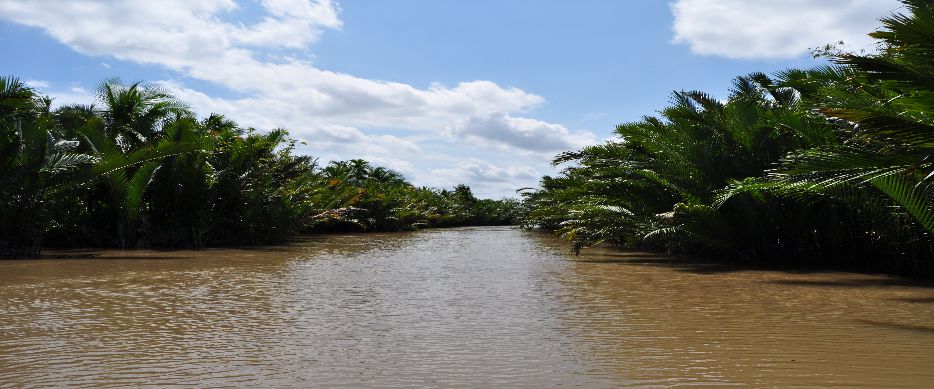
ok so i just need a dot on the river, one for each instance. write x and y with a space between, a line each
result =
469 307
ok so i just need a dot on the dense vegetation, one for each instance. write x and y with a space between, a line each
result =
831 165
141 170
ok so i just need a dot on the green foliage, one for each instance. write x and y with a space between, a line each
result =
642 184
34 166
828 165
141 170
358 196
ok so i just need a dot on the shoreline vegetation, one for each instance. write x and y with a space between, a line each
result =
830 166
140 170
823 167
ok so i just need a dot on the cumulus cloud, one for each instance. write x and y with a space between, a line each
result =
484 178
37 84
74 94
751 29
192 38
291 23
61 95
521 133
272 83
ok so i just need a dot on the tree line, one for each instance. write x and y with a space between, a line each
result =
829 166
140 169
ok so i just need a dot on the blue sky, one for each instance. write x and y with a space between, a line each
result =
480 92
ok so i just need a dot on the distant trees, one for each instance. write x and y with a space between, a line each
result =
141 170
360 196
829 165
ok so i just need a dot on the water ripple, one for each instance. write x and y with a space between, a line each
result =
475 307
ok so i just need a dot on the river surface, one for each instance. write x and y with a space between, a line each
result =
472 307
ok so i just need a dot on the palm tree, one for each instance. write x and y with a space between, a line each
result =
386 176
883 106
662 175
133 113
128 173
34 166
129 132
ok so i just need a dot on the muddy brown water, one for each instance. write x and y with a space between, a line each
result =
473 307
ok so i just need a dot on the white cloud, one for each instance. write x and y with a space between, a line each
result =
190 37
407 168
74 94
521 133
352 140
486 179
749 29
261 64
291 23
37 84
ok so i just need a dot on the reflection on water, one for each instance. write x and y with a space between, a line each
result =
450 308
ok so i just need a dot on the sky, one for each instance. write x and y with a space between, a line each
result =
479 92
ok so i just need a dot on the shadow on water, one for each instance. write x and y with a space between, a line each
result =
851 283
158 253
98 255
898 326
300 245
917 300
860 277
646 259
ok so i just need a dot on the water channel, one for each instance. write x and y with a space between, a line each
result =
469 307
